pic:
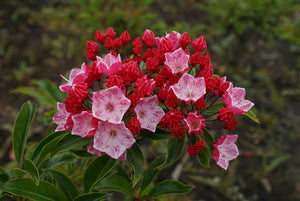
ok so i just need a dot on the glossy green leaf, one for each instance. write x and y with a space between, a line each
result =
70 142
44 142
21 130
48 148
169 187
65 184
42 96
159 134
210 138
51 89
115 183
18 172
175 147
97 170
151 172
203 157
251 115
136 158
57 160
26 187
32 170
92 197
3 175
214 108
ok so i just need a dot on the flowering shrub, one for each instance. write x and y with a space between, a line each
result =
147 87
166 85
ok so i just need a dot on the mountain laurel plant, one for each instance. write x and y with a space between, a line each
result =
160 88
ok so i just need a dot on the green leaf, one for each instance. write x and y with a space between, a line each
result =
203 157
21 129
97 170
159 134
42 96
18 172
57 160
70 142
3 175
46 150
65 184
210 138
92 197
151 172
32 170
175 147
26 187
44 142
170 187
251 115
51 89
136 158
213 109
115 183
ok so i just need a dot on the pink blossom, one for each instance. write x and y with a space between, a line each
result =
177 61
189 88
109 64
110 105
234 98
77 75
225 150
149 113
174 38
195 122
98 153
113 139
62 118
85 124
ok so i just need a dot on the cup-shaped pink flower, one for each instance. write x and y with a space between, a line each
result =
195 122
62 118
77 75
234 98
113 139
174 37
177 61
98 153
189 88
225 150
109 64
84 125
110 105
149 113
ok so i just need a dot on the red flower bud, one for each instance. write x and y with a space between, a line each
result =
125 37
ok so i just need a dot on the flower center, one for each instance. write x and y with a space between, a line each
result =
141 114
109 107
113 133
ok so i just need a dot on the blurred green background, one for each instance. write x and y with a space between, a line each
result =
255 43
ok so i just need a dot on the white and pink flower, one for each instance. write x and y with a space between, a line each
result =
112 139
110 105
109 64
234 98
225 150
189 88
177 61
149 113
62 118
85 124
195 122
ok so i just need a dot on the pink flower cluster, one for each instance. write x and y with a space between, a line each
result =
165 82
